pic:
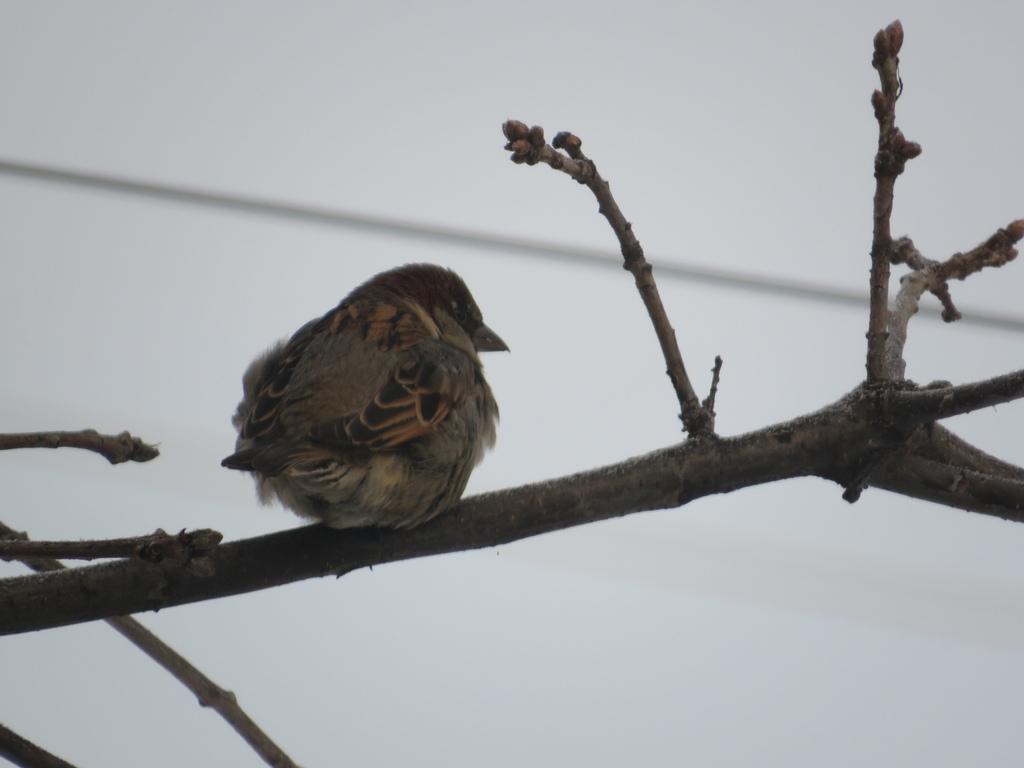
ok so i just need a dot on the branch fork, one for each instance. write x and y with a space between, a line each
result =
207 692
934 276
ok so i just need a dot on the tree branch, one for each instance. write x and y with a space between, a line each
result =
209 693
709 401
189 549
928 275
893 152
528 146
951 486
994 252
114 448
912 287
21 751
939 444
920 406
867 438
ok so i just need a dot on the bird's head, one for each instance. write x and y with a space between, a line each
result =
443 302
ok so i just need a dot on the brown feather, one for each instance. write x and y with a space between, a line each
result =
408 406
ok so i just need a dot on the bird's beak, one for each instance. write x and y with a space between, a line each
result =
486 340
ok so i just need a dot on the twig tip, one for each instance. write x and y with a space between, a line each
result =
524 143
889 41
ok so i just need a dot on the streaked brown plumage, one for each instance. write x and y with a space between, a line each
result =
376 413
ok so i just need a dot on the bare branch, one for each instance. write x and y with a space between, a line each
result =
867 438
223 702
114 448
932 403
709 401
994 252
912 287
938 466
937 443
951 486
663 479
905 252
188 549
209 693
528 146
21 751
934 276
893 152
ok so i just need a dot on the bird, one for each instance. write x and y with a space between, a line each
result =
375 414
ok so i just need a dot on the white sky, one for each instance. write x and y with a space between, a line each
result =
777 626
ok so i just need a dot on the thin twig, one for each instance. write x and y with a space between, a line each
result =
209 693
912 287
528 146
20 751
893 152
709 401
994 252
114 448
905 252
184 547
933 276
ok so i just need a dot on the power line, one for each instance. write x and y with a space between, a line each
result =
468 238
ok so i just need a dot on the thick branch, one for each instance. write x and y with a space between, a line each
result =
866 438
951 486
938 466
667 478
114 448
528 146
924 405
939 444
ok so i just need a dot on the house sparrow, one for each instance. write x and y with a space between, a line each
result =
376 413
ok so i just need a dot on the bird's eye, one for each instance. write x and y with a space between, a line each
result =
461 314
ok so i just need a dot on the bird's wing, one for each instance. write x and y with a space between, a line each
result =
270 388
429 379
377 322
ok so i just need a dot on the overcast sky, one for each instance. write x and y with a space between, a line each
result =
777 626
